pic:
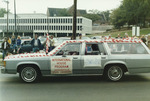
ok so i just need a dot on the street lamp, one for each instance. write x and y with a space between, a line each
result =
6 1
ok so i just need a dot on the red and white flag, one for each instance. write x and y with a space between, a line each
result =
47 43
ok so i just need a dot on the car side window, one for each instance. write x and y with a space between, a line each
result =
70 49
127 48
92 49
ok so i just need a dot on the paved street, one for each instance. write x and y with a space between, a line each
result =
91 88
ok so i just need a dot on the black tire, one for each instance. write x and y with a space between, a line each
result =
29 74
114 73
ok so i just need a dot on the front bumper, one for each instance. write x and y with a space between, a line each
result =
3 70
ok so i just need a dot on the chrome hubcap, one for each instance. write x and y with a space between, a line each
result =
28 74
115 73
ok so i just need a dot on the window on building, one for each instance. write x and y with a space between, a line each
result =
56 27
63 27
50 27
54 20
78 20
61 20
81 28
32 21
70 27
45 27
45 21
78 28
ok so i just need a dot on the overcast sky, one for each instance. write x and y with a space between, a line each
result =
40 6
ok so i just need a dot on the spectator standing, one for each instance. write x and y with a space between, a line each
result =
36 44
143 39
148 41
126 36
80 36
5 47
18 43
13 43
118 37
52 42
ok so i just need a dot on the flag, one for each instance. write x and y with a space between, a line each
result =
47 43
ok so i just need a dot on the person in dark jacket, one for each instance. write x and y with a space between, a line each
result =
36 44
5 47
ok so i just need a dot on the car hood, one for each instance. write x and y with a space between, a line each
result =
26 55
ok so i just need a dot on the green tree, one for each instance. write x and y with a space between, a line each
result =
136 11
96 15
2 12
118 18
131 12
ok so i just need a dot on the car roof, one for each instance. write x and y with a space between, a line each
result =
105 41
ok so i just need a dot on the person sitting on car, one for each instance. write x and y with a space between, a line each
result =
13 43
36 44
18 43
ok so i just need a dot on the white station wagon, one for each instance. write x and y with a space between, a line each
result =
111 58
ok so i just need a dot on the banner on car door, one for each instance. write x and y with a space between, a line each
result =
61 65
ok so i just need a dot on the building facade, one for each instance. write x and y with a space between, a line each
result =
30 24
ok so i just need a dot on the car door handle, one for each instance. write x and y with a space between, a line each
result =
103 57
75 58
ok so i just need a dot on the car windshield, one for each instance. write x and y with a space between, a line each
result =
42 39
26 37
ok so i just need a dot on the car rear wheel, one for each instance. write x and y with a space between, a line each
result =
114 73
29 74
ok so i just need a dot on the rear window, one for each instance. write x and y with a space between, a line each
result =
127 48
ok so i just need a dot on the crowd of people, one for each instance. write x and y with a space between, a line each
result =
15 45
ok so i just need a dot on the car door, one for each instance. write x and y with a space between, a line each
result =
138 58
67 60
91 61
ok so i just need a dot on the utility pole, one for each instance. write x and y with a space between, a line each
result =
15 15
7 14
48 21
74 20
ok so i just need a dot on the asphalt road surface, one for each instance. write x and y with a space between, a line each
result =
90 88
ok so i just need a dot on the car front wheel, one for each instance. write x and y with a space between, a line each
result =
114 73
29 74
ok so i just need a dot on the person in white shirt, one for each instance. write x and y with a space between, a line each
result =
52 42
